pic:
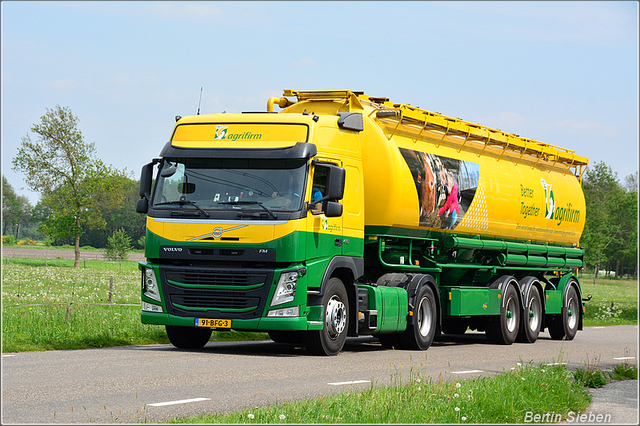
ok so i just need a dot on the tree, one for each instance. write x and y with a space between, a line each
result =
611 229
63 168
118 245
120 216
16 209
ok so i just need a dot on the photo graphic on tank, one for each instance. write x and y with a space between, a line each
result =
446 187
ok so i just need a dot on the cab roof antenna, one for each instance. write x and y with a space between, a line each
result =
200 101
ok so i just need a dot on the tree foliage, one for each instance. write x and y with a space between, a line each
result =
16 209
122 216
611 227
64 169
118 245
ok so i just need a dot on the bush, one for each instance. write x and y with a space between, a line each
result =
27 242
9 239
118 245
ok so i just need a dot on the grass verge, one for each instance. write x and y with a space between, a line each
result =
504 398
46 304
613 302
58 307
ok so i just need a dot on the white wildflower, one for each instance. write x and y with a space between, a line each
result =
455 395
282 417
457 408
458 385
251 416
464 418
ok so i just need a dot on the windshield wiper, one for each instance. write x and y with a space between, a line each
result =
235 203
182 201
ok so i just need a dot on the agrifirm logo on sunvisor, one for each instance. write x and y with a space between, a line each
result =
222 132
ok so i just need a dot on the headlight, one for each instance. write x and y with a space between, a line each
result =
150 285
286 289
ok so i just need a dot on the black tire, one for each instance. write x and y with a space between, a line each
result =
286 337
531 318
564 326
503 329
419 335
188 337
330 340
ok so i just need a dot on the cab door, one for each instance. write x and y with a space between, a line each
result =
324 227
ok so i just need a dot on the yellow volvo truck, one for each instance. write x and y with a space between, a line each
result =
349 215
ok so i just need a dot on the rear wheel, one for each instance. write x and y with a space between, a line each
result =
564 326
531 317
188 337
419 335
503 328
330 340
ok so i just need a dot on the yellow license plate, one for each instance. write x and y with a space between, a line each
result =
213 323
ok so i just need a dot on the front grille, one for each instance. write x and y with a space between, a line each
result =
215 278
239 293
217 301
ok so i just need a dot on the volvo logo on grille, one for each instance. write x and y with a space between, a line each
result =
178 249
216 233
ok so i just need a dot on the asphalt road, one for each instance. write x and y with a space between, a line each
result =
156 383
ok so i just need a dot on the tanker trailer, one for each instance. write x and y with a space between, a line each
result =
424 225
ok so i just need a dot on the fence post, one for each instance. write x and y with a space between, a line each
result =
110 288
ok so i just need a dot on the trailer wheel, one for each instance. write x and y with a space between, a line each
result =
420 334
503 328
330 340
531 320
287 337
188 337
565 325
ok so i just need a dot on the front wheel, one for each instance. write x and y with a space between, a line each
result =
188 337
330 340
420 334
564 326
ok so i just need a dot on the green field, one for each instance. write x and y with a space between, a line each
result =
46 304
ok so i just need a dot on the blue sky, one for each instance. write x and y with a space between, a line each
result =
564 73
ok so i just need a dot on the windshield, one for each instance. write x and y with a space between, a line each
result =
210 184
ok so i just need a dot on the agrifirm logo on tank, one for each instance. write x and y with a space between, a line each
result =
553 212
222 132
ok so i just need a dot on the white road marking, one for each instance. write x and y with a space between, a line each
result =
353 382
626 357
556 363
467 372
3 355
595 328
183 401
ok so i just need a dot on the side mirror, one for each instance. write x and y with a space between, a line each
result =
145 180
333 209
335 183
142 205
